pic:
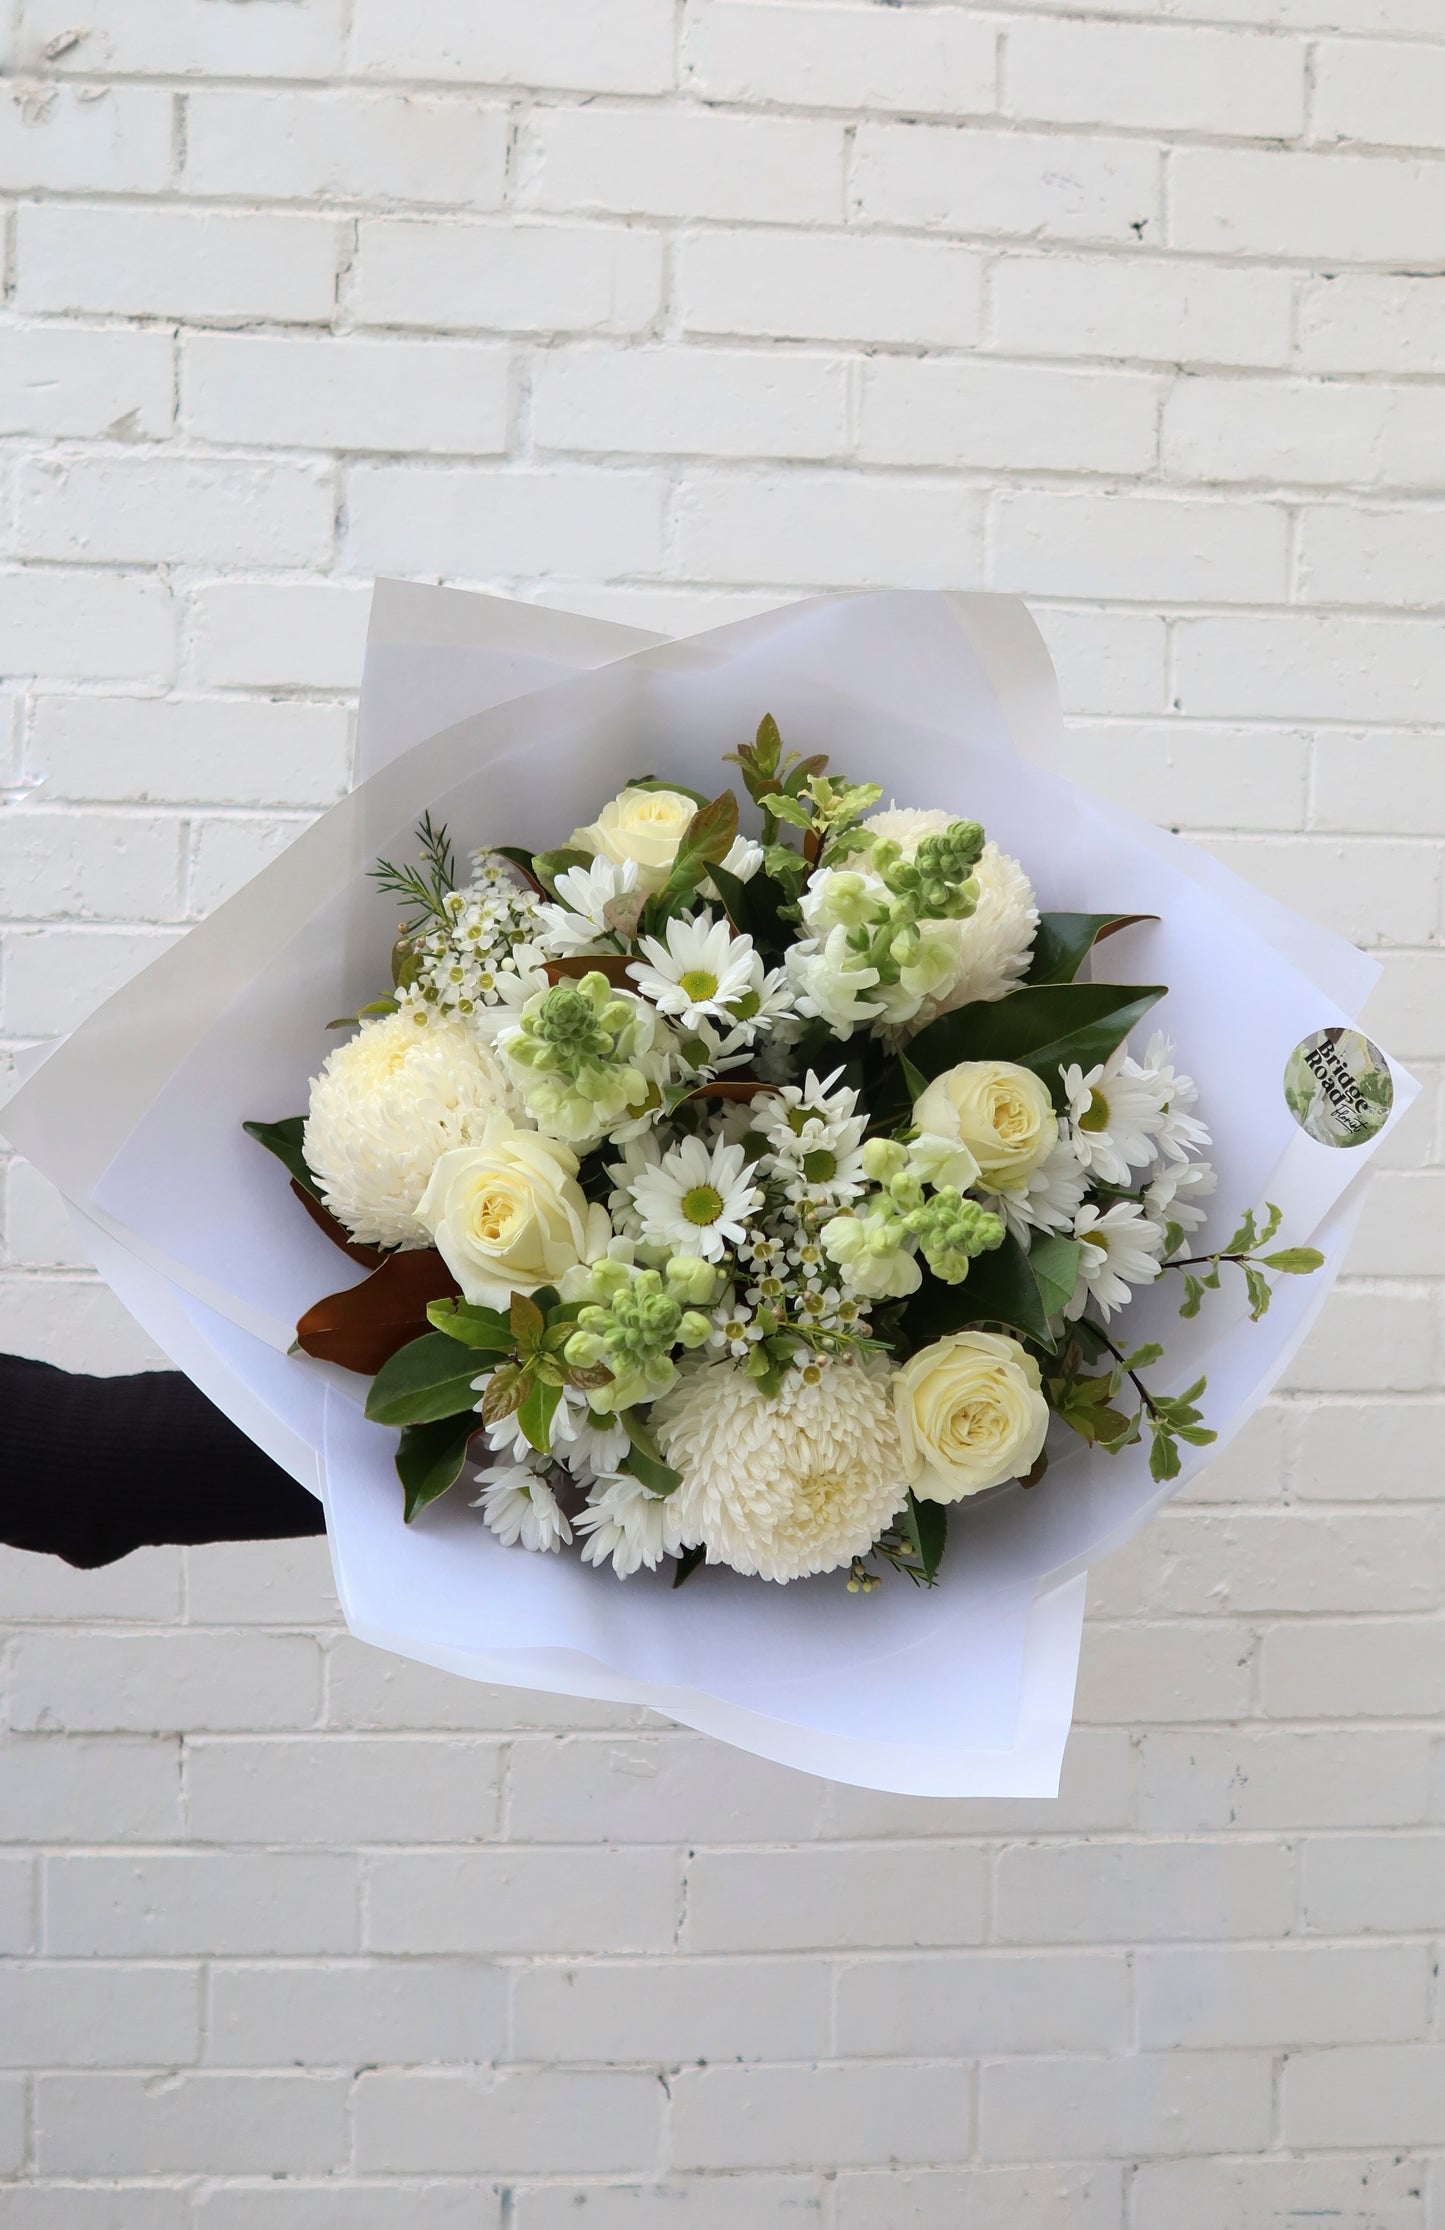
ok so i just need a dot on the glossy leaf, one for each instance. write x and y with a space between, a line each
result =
926 1524
365 1325
536 1411
1054 1260
1063 942
428 1379
1000 1289
284 1140
644 1459
430 1458
473 1325
1043 1027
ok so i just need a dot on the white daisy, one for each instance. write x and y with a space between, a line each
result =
741 860
694 1201
1121 1250
1180 1133
626 1523
1113 1117
700 972
1176 1193
801 1118
1049 1200
518 1505
580 920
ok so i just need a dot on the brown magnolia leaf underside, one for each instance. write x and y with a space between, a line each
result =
363 1326
370 1257
610 964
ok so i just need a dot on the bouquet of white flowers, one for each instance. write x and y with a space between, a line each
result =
753 1198
745 1171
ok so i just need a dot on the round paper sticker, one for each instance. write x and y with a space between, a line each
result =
1338 1089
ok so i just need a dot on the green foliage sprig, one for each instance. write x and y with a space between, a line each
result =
1243 1250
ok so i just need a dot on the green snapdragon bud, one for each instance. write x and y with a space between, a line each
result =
884 1159
951 1229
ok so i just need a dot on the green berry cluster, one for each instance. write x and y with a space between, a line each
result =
637 1319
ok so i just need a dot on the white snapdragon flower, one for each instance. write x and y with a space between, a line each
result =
832 982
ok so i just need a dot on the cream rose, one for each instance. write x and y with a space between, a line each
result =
1000 1112
971 1414
642 825
508 1214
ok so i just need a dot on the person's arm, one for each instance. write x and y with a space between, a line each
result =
91 1468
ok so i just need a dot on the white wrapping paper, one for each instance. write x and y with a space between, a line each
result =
507 721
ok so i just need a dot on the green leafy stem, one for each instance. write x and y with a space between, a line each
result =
1243 1250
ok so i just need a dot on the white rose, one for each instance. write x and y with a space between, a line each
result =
1001 1113
642 825
971 1414
508 1214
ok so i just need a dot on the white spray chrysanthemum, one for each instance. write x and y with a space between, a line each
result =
385 1108
782 1485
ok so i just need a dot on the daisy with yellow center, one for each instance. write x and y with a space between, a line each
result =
700 972
696 1201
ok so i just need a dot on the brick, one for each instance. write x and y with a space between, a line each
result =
224 266
684 162
348 2205
166 510
1178 2102
848 2114
189 750
1006 417
1305 207
846 529
55 1318
129 37
1349 2192
347 146
1196 774
86 380
143 1684
1365 1451
1143 548
946 2007
1271 430
1244 1562
824 286
261 1583
1096 1791
519 276
1370 891
429 397
68 626
653 1788
303 635
223 2124
727 402
1390 94
348 1788
503 1901
1309 667
1373 1885
1403 1229
12 2123
1154 77
1139 308
979 2198
71 1790
371 1688
327 2015
719 2009
226 854
1281 1994
1004 184
475 524
117 2206
1405 1009
558 42
62 865
1386 2094
1278 1779
1142 1892
1367 322
1112 663
456 2121
701 2203
175 1905
109 140
932 60
882 1895
1195 1669
17 1904
1354 1669
92 2015
1348 555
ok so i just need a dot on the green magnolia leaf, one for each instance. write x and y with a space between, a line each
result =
688 1563
1000 1289
535 1414
1063 942
284 1141
547 866
656 782
707 839
804 771
471 1325
751 916
429 1378
518 858
645 1460
926 1524
1054 1260
1295 1262
430 1459
1043 1027
915 1082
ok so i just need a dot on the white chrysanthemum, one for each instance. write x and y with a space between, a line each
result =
1114 1116
585 892
694 1201
1121 1250
626 1523
1176 1193
518 1505
385 1108
698 971
782 1485
995 942
907 825
1050 1198
1180 1132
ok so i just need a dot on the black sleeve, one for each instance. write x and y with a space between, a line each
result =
91 1468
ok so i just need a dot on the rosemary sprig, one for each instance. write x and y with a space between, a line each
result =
423 890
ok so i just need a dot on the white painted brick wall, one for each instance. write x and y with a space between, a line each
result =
669 309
